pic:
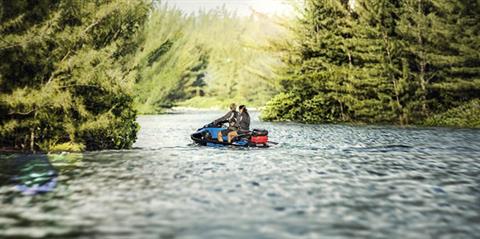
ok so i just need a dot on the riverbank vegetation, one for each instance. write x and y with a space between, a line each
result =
207 59
382 61
74 74
66 73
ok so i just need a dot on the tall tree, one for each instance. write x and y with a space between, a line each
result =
442 43
381 61
322 67
66 77
376 29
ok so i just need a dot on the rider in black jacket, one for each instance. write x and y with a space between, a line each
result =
243 123
231 117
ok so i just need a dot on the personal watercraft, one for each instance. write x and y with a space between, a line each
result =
207 136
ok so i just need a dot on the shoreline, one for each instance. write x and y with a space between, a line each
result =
182 109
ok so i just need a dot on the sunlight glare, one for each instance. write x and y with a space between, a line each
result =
241 7
270 6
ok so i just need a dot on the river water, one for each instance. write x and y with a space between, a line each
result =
320 181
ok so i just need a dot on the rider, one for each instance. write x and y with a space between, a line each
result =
243 123
231 117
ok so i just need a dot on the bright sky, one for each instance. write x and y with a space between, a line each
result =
242 7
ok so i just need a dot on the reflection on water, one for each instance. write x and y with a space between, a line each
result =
320 181
31 174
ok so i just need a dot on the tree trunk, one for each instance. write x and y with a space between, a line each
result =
423 64
394 81
32 140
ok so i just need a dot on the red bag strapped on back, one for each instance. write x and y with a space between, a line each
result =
259 139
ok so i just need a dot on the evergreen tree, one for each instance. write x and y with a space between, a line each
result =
66 75
316 65
382 61
381 55
442 43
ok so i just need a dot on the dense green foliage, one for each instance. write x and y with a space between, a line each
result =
73 72
204 59
465 115
66 74
404 62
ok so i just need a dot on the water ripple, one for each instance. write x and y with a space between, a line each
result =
320 181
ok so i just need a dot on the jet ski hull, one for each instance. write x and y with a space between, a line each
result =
208 137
